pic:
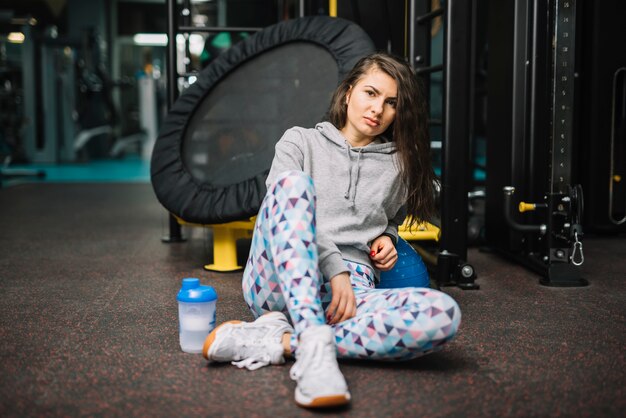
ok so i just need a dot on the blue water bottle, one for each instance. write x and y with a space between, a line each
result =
196 314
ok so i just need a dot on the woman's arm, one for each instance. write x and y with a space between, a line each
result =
288 156
383 250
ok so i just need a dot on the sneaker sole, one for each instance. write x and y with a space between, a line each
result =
324 401
211 337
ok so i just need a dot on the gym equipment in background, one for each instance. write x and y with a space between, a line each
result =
215 148
602 156
216 145
459 24
12 121
68 97
532 139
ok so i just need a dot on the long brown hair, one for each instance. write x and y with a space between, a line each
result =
409 130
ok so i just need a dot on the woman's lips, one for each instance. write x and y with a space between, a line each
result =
371 122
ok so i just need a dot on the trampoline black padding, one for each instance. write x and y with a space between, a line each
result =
216 145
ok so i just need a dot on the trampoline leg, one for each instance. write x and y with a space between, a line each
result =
225 248
175 231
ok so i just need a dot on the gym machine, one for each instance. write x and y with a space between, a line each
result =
534 207
179 22
15 106
452 268
68 99
457 66
603 116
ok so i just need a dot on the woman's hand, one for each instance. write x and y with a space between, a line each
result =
383 253
343 304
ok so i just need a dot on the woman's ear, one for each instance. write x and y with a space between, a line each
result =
348 95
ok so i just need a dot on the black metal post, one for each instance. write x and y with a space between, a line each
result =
457 133
175 230
419 49
172 82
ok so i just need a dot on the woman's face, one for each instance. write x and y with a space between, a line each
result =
371 107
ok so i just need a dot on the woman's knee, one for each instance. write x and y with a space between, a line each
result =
292 179
443 310
450 312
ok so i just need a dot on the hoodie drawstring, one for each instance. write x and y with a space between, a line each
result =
358 173
347 193
352 187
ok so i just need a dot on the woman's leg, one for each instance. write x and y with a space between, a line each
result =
396 323
282 274
282 270
393 324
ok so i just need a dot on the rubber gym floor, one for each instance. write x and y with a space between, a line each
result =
88 326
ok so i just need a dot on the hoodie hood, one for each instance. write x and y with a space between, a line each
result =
380 145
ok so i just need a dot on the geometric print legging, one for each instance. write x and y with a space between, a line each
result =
282 274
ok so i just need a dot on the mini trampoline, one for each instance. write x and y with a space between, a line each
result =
215 148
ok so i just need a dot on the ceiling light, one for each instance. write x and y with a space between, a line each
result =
150 39
16 37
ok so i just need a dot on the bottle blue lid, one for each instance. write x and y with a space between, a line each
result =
193 291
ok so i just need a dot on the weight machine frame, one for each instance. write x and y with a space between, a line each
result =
532 137
452 267
458 112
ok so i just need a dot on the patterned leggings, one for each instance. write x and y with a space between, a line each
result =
282 274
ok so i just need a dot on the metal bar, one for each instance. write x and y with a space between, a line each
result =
420 20
612 175
422 39
210 29
31 89
186 13
508 205
332 8
429 70
419 48
457 124
175 230
172 87
563 95
520 95
411 48
534 119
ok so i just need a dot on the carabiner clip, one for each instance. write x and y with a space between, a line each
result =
577 246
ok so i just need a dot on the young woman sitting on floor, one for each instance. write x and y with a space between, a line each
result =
328 225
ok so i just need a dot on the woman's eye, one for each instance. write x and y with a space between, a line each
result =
369 93
392 103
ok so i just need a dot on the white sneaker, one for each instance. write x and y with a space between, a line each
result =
319 380
249 344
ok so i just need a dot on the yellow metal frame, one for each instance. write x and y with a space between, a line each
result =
422 232
332 8
225 238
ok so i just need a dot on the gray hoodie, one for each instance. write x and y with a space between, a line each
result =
360 195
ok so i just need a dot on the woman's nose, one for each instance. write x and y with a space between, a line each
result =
377 108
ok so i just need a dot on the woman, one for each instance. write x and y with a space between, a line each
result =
327 227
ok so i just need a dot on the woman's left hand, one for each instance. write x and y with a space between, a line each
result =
343 303
383 253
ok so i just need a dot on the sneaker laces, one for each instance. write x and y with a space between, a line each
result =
317 355
260 352
253 362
